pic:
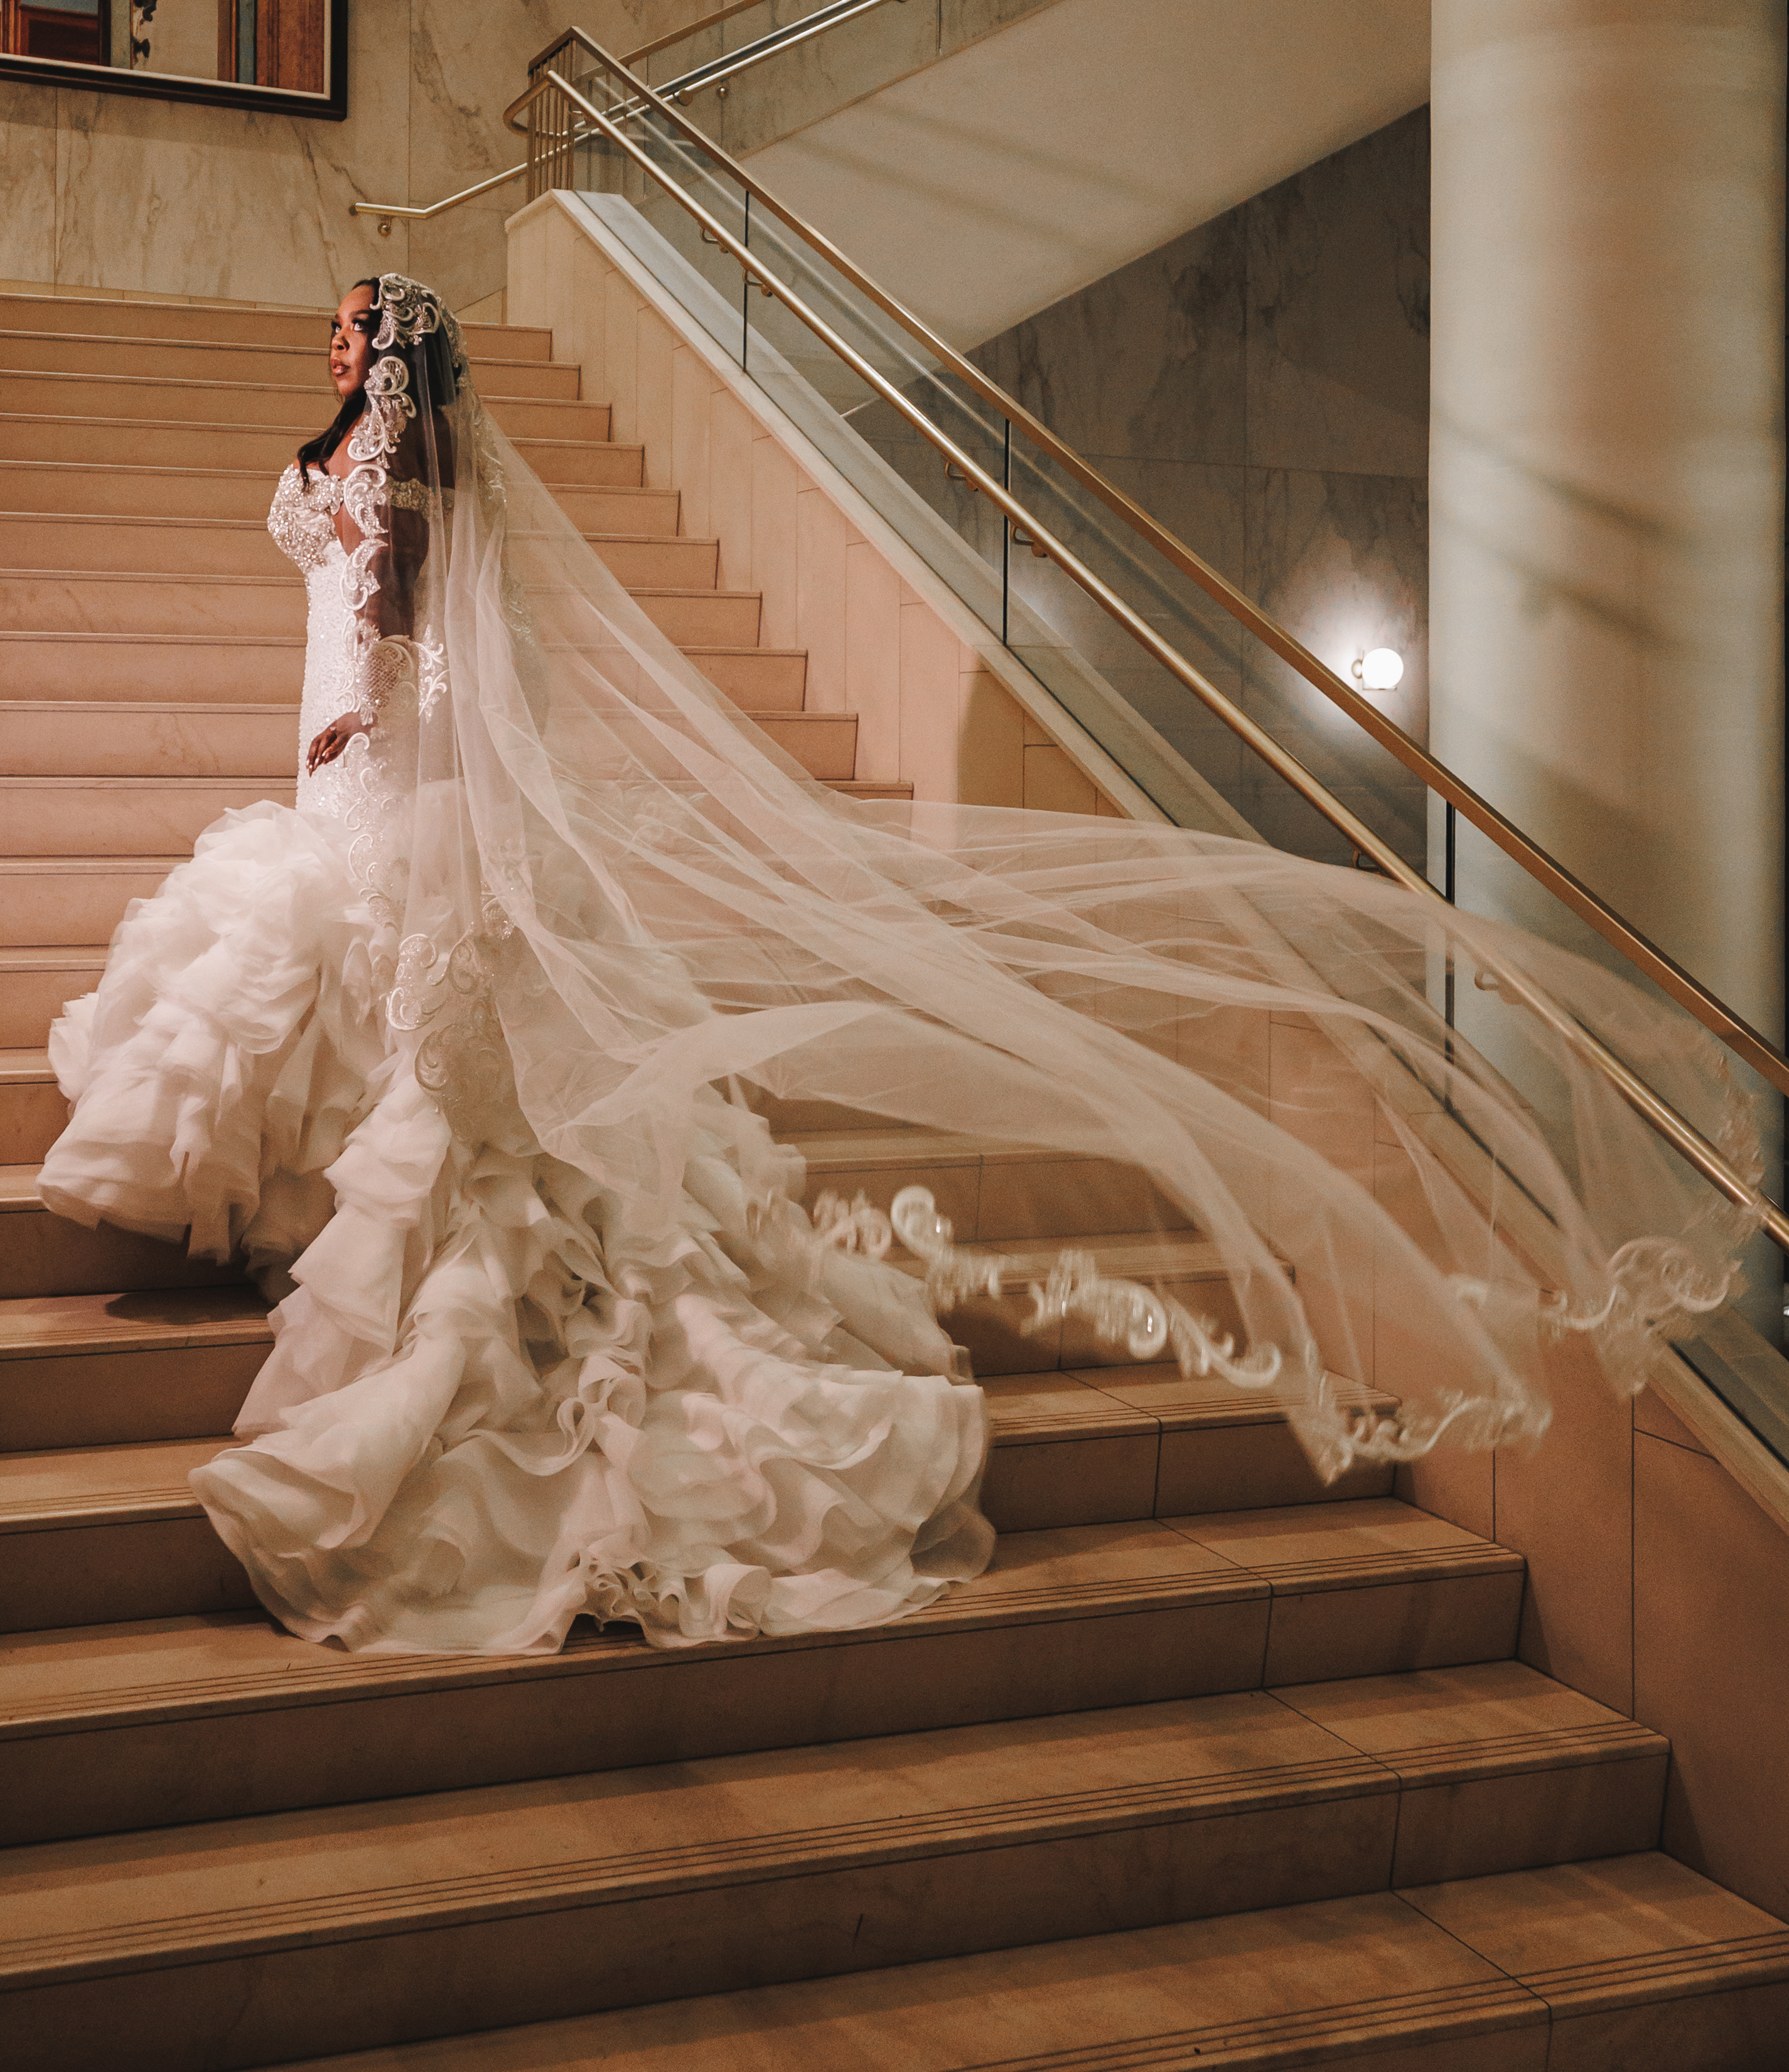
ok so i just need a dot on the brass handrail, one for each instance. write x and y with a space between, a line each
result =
1683 1135
390 209
1746 1042
714 73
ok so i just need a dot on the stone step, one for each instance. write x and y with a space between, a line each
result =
220 323
103 543
230 1942
758 680
112 1370
568 462
110 667
1069 1449
60 740
305 366
703 618
46 900
219 1710
32 1110
34 984
825 744
229 607
100 442
94 737
220 495
299 409
45 1255
98 818
173 668
1635 1961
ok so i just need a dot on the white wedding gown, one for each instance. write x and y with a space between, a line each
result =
438 1053
501 1392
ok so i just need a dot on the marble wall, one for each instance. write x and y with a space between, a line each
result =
161 198
1261 386
102 191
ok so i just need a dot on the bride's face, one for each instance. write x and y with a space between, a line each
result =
350 342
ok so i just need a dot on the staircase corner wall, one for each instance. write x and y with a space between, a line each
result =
936 698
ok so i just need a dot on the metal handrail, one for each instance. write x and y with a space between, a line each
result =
389 211
1680 1133
715 73
718 71
1746 1042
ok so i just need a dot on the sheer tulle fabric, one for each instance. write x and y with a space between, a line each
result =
586 915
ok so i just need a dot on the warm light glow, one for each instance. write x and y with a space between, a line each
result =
1380 668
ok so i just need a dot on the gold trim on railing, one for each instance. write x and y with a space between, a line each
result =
1754 1049
1686 1139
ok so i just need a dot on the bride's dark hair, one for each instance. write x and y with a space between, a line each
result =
430 357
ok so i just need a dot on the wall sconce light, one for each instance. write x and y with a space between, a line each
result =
1379 669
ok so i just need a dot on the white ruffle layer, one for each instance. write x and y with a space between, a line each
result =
496 1399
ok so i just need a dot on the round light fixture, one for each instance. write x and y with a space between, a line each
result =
1380 669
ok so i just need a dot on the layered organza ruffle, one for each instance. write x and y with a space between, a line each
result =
500 1394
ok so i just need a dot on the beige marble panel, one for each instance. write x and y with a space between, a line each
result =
692 409
529 244
1318 1097
821 535
620 349
654 348
1711 1668
729 512
931 699
467 59
1054 785
1568 1508
579 332
775 548
873 659
990 770
28 180
227 203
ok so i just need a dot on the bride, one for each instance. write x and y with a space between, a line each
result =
458 1055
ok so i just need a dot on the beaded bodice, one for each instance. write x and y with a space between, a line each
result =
302 520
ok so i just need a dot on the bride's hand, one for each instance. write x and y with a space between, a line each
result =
333 738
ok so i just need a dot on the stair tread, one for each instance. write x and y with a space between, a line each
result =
281 1879
195 426
146 1477
36 1326
1351 1542
145 341
206 1665
1287 1984
61 956
1309 1548
312 392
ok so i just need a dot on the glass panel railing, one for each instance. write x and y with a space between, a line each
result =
929 449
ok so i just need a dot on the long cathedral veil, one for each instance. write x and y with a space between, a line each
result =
596 871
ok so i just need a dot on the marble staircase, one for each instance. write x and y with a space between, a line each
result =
1216 1764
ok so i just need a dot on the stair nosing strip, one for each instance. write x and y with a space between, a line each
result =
357 1679
419 1906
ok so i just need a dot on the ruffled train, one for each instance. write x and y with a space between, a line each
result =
500 1394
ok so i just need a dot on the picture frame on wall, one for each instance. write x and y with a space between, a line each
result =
288 57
